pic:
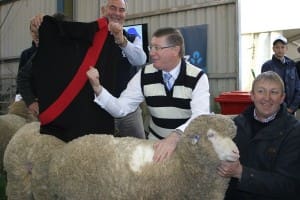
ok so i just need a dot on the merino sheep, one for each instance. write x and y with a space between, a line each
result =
16 117
104 167
9 124
26 163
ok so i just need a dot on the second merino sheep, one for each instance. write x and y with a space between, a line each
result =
9 124
104 167
26 161
17 116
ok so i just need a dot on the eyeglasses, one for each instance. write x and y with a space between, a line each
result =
158 48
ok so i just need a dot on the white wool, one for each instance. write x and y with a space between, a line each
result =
225 148
141 155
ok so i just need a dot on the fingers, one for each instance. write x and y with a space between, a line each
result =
230 169
161 153
92 73
163 149
93 76
221 172
224 169
37 20
115 27
34 108
117 30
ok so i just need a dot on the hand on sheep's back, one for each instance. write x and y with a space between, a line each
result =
163 149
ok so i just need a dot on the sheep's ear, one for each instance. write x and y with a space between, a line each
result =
195 139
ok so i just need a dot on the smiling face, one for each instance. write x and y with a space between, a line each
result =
267 96
115 11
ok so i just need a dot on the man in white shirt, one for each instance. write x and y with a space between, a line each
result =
170 110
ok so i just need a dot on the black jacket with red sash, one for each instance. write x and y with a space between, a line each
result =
65 96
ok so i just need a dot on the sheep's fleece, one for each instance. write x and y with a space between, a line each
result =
16 117
96 167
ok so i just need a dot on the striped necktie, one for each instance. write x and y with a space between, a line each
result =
167 80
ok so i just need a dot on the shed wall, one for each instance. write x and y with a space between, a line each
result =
220 15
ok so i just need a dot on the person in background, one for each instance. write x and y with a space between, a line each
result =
26 57
173 101
25 86
298 63
133 58
268 141
120 54
286 69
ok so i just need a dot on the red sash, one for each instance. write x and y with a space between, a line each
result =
80 78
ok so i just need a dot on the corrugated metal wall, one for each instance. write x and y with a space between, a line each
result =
14 37
220 15
15 30
86 11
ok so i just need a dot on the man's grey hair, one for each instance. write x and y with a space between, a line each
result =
125 1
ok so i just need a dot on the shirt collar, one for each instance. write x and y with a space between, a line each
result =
265 120
175 71
283 60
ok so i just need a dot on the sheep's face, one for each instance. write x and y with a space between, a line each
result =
225 148
216 130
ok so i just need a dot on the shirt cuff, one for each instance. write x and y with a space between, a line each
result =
103 98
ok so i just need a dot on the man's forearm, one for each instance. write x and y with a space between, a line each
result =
135 53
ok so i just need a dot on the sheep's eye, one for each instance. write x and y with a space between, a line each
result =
210 135
195 139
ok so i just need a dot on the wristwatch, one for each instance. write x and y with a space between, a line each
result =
123 43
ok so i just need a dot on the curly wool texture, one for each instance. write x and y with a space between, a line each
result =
17 163
45 146
18 114
9 124
26 163
104 167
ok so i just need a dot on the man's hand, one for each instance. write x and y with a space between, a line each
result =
230 169
36 22
34 108
163 149
93 76
290 111
117 31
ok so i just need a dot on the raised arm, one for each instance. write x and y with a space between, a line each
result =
133 50
129 100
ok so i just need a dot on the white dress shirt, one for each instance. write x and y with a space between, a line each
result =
134 52
132 96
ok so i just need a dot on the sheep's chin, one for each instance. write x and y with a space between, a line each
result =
141 155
